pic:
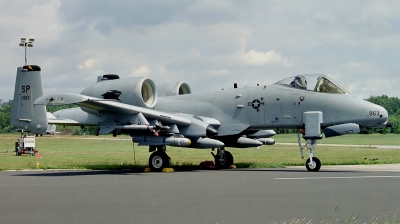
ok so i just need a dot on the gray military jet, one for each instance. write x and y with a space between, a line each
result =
172 115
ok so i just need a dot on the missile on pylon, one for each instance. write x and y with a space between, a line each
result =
154 140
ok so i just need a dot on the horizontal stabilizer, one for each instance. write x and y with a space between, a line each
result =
51 119
62 99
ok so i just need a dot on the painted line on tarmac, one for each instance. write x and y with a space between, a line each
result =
320 178
360 168
347 145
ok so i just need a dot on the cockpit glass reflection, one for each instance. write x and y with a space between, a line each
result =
327 86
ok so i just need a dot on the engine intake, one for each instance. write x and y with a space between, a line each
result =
173 89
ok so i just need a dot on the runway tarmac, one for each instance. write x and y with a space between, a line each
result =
334 195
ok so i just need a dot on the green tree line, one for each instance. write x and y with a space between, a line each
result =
391 104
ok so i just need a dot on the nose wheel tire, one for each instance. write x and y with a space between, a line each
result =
314 166
158 161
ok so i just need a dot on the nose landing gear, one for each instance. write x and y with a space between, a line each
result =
312 131
313 164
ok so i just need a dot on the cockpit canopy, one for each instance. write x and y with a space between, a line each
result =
316 83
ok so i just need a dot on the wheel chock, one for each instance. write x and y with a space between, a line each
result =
168 170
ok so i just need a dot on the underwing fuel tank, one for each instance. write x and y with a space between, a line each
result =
207 143
266 141
154 140
247 142
262 134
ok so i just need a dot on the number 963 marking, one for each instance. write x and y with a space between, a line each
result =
374 113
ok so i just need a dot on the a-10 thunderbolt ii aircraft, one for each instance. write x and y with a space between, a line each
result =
172 115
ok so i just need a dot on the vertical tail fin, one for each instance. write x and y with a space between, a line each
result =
28 87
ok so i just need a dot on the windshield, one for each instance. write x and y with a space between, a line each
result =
317 83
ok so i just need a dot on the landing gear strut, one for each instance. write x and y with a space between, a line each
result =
312 131
313 164
159 159
223 159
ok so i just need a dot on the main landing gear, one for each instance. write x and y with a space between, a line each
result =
158 159
223 159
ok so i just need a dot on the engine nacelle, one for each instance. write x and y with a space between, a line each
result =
136 91
173 89
342 129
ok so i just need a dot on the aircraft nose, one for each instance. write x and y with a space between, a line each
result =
379 116
381 112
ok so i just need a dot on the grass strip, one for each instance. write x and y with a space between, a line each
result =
107 153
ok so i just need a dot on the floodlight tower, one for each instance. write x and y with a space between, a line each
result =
26 44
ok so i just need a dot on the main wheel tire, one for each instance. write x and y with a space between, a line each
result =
228 161
315 166
158 161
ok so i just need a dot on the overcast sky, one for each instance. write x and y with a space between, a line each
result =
207 43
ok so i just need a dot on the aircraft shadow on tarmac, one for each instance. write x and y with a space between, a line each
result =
60 173
141 172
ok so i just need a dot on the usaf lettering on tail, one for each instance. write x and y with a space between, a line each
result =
170 114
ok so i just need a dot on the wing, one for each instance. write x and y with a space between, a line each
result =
114 106
145 123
